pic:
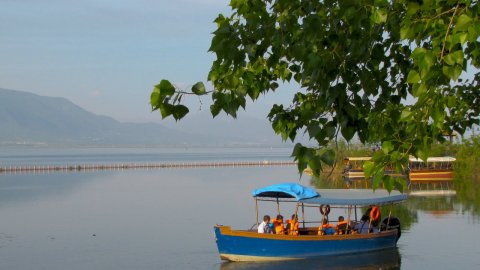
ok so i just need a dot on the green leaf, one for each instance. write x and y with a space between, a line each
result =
377 179
179 111
387 147
452 72
419 89
426 62
368 167
463 22
315 165
404 32
413 77
379 15
423 155
215 109
155 99
400 184
348 132
328 157
199 89
412 8
456 57
438 115
165 88
406 115
451 101
165 109
388 183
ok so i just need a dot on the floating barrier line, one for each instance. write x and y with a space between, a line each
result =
127 166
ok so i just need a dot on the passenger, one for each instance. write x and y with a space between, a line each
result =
364 226
292 225
326 228
369 209
278 225
342 226
264 227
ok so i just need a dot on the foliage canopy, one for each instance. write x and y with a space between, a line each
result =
385 71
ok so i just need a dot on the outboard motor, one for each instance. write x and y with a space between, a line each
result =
391 224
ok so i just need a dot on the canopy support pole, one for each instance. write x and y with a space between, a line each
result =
303 215
296 209
356 218
256 210
389 214
348 219
278 206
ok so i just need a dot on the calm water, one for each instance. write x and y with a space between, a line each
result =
20 156
163 219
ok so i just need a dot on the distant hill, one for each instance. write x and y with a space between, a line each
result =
30 118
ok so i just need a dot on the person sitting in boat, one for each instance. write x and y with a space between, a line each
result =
326 228
264 227
342 226
278 225
364 226
374 222
292 225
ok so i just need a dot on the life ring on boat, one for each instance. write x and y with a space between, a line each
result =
374 213
325 209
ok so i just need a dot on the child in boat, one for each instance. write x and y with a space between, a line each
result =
264 227
342 226
326 228
292 225
278 225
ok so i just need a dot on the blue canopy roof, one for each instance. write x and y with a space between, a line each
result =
330 196
356 197
286 190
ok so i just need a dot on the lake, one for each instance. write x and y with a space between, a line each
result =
163 218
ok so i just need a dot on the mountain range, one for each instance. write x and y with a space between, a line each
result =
28 118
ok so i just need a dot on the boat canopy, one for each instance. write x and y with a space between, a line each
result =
286 190
434 159
355 197
309 195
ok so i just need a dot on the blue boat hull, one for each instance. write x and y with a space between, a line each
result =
236 245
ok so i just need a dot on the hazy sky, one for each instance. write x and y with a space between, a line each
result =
106 55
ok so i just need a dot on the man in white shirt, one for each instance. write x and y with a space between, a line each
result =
264 227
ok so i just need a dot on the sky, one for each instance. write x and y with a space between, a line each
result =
106 55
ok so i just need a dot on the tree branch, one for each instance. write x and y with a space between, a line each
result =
448 32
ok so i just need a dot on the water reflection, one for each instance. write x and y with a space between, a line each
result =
385 259
468 195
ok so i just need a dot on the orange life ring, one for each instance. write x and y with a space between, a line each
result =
325 209
374 213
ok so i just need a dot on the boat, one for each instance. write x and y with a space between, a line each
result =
436 169
249 245
354 167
